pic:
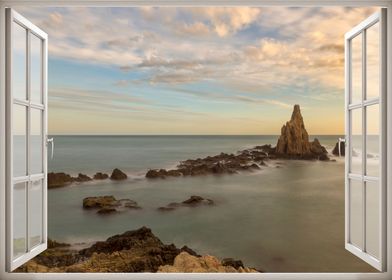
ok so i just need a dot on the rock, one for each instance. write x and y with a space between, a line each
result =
133 251
99 201
109 204
55 244
100 176
231 262
118 175
56 180
335 150
154 173
294 142
187 263
294 139
106 210
196 200
193 201
82 178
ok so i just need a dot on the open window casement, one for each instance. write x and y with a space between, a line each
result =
365 195
26 186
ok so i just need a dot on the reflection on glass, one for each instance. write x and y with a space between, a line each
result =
373 61
372 218
35 213
372 140
19 140
36 71
19 219
356 207
356 69
36 141
356 141
19 62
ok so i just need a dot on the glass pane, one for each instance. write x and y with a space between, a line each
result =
19 140
356 141
19 62
356 69
356 207
36 71
373 140
36 141
373 61
373 218
19 219
35 213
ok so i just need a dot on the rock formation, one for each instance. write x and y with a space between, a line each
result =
193 201
56 180
185 262
109 204
118 175
133 251
100 176
294 142
335 150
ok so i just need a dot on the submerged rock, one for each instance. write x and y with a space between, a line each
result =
193 201
118 175
109 204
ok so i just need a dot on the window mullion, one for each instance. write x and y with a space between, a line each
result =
28 154
364 151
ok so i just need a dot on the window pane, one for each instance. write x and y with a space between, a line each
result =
356 69
19 62
356 207
373 218
356 141
373 61
19 219
36 141
19 140
35 213
36 71
372 140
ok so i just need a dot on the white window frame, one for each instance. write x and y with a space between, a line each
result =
379 18
14 17
124 3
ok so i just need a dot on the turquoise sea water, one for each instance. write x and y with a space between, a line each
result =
288 219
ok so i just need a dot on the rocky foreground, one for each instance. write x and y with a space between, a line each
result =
133 251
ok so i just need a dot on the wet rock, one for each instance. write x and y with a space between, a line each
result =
82 178
193 201
100 176
56 180
118 175
154 173
106 204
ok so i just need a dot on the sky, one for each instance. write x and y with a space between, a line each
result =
212 70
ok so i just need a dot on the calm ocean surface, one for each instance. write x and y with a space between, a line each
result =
288 219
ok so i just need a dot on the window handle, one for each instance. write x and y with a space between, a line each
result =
51 141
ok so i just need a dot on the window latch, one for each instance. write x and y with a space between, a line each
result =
51 141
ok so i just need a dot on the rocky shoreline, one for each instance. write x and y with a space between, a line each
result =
133 251
293 144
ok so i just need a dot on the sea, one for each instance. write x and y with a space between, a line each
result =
286 217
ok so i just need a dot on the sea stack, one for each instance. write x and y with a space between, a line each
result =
294 140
